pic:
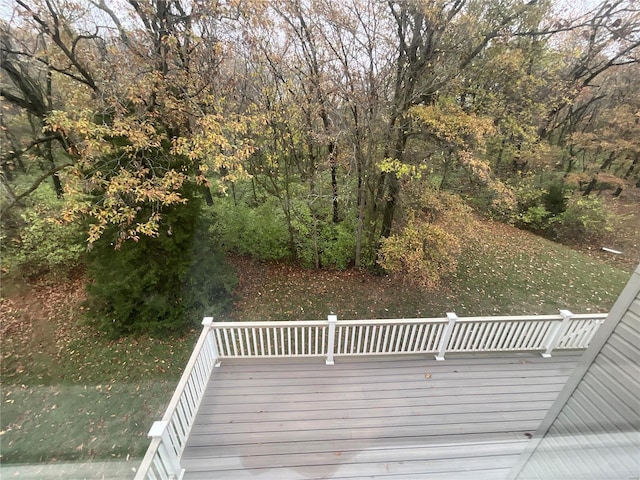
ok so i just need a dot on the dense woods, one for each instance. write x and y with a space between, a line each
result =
146 138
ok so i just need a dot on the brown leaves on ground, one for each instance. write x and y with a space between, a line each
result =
39 322
276 291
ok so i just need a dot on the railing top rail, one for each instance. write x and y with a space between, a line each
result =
510 318
588 316
184 379
391 321
323 323
268 323
524 318
147 461
403 321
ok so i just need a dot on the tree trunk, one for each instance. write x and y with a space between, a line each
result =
590 187
606 165
393 191
57 184
634 164
207 195
334 182
361 200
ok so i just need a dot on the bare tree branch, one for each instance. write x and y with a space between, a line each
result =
54 33
12 155
15 199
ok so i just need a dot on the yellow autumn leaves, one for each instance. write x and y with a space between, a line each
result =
132 170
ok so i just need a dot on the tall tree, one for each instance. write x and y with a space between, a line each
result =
436 42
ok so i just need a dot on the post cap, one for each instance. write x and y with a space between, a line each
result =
207 321
157 429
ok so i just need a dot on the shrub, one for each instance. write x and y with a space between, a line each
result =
536 219
585 219
423 252
260 232
338 245
38 245
536 205
555 200
528 194
160 284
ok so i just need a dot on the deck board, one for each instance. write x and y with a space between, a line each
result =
372 417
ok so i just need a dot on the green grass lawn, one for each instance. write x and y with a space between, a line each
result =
69 393
79 422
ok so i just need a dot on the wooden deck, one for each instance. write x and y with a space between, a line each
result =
468 417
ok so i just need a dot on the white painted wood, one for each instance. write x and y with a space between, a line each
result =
332 319
444 341
169 436
162 461
556 336
394 336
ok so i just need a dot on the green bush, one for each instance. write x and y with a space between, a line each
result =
421 253
38 245
260 232
555 200
335 242
536 219
338 245
160 284
538 205
585 219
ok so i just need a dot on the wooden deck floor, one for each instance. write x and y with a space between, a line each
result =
389 418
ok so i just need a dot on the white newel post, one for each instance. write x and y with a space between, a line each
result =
207 322
166 451
444 341
559 331
331 340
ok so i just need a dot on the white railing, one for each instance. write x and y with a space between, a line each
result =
169 436
271 339
329 338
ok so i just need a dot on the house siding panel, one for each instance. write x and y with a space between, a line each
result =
594 431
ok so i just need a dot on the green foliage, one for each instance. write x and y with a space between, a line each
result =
159 284
537 205
536 219
585 219
555 200
35 244
545 210
338 244
316 235
260 232
528 192
422 253
210 280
